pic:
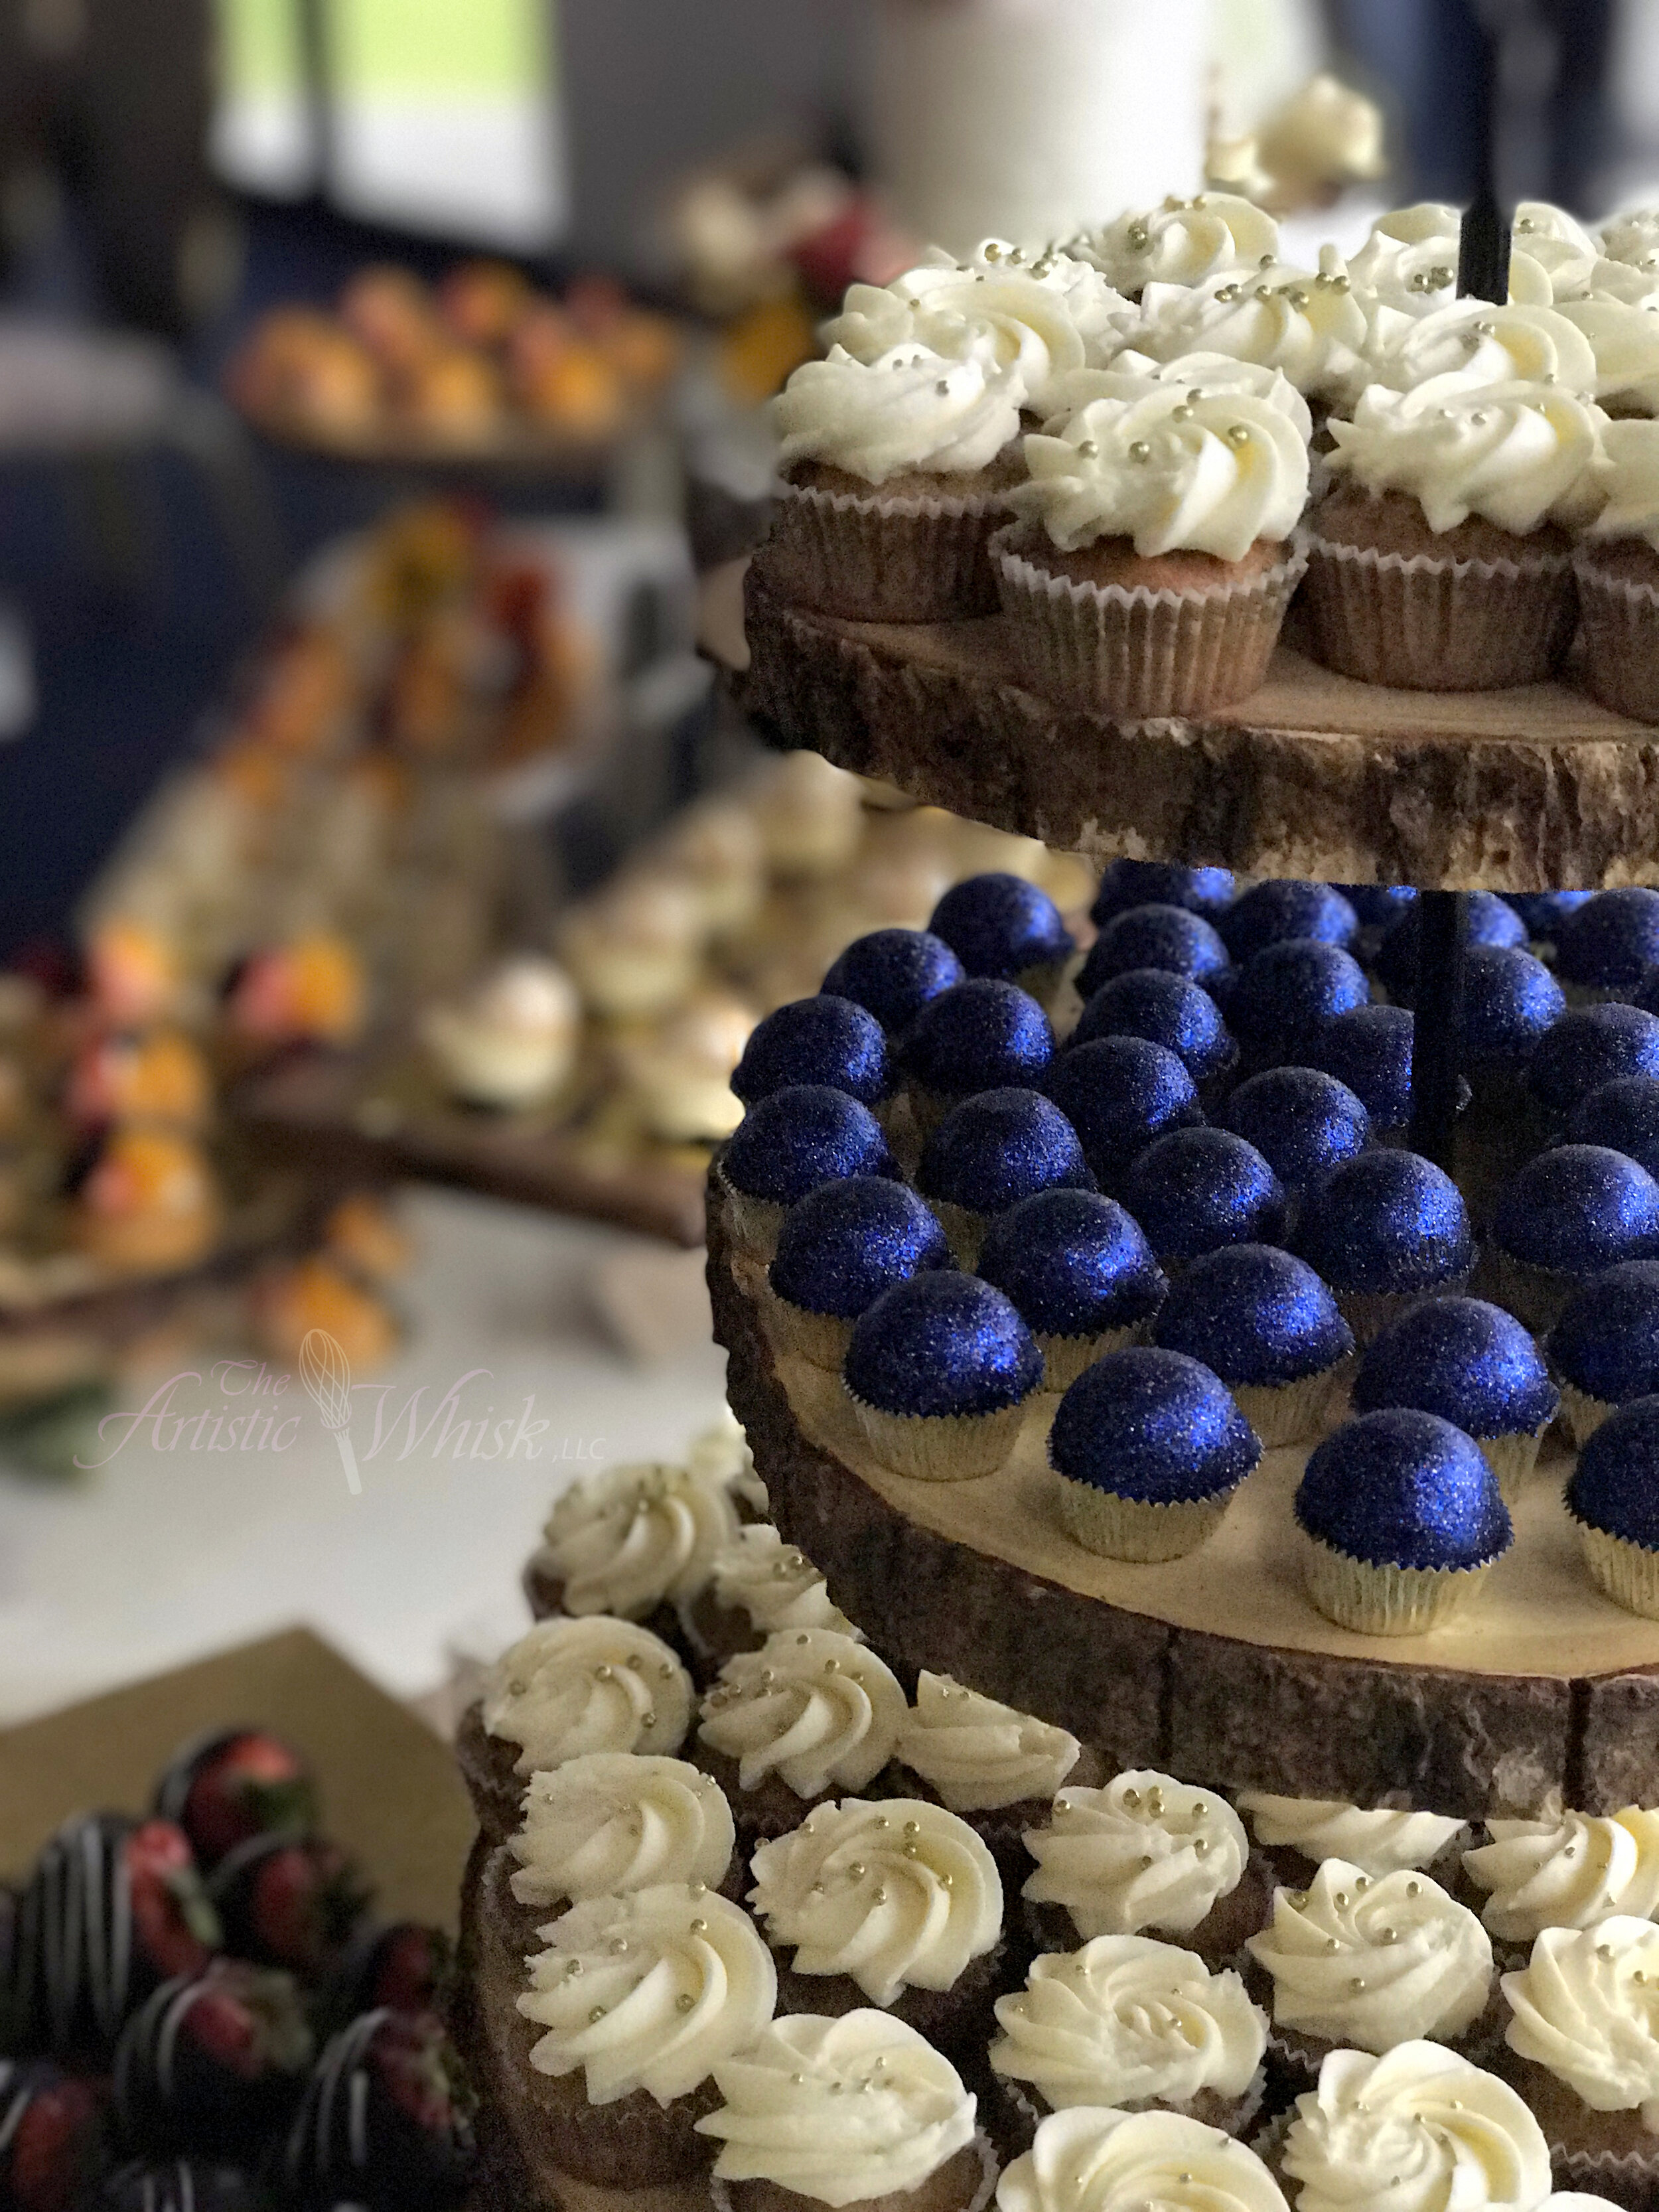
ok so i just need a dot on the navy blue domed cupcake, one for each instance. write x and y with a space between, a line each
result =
1287 993
991 1152
1080 1272
1403 1518
1165 937
1386 1230
1587 1046
1605 949
1270 1329
1623 1114
1370 1051
983 1035
839 1248
1490 920
1613 1496
1167 1009
1001 926
1285 908
1545 912
1568 1213
1509 1001
1208 891
1149 1448
1303 1122
1198 1189
788 1144
823 1040
1475 1366
1120 1094
939 1371
1378 906
893 973
1605 1348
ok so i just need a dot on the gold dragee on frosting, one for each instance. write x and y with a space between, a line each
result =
1135 376
627 1538
776 1585
1306 322
1587 2007
1567 1872
909 408
1086 2159
1182 242
810 1706
1146 1851
978 1755
1373 1962
1381 1841
570 1686
1128 2021
614 1821
1486 343
896 1893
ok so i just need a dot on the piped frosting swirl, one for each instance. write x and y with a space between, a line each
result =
1587 2007
810 1706
573 1686
612 1821
1567 1873
978 1755
1515 454
773 1585
628 1537
1378 1842
909 408
1087 2158
1146 1851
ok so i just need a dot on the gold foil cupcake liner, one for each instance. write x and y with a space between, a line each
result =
1425 624
755 1221
1138 655
1536 1296
1584 1414
964 1231
880 558
941 1447
1298 1412
1621 638
1385 1599
1627 1573
1511 1459
1066 1358
798 1332
1368 1313
1128 1528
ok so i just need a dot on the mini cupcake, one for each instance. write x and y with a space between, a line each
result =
1403 1519
1182 242
1583 2050
1587 1046
1623 1114
1080 1272
793 1142
1565 1872
1166 1009
1302 1122
787 2140
1167 937
1300 1833
893 973
1616 566
1267 1325
758 1587
839 1248
1198 1189
1545 913
1146 1852
940 1372
1001 926
1490 921
1386 1231
1206 891
1285 908
1370 1051
1606 948
895 475
1116 2161
1120 1094
1475 1366
825 1040
1605 1348
895 1903
512 1041
610 1823
1286 993
1378 906
990 1152
810 815
147 1202
1134 2024
1568 1213
638 1540
1434 566
1149 1448
1509 1001
982 1035
1152 565
1613 1496
811 1712
993 1767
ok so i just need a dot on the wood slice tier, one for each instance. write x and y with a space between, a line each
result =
1215 1667
1316 776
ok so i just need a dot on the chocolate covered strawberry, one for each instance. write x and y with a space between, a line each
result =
54 2138
236 1784
179 2185
214 2061
289 1901
402 1966
386 2122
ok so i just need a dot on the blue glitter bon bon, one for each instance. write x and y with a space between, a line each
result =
799 1138
1074 1264
1589 1047
1388 1222
822 1040
1206 891
1287 993
978 1036
1490 921
1624 1114
1119 1094
846 1242
1152 1426
1471 1363
1165 937
893 973
1605 1345
1578 1208
1611 942
1254 1315
1303 1122
1166 1009
1001 926
1198 1189
1379 906
1370 1051
1404 1489
1615 1486
1509 1001
1285 908
942 1344
1545 912
999 1147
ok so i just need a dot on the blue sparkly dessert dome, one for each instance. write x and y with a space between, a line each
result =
1000 924
893 973
1615 1484
1125 884
1166 937
1370 1051
1199 1188
942 1344
1388 1221
1509 1000
1152 1426
1545 912
1286 907
1164 1009
791 1142
1471 1363
978 1036
1576 1209
1119 1093
999 1147
1589 1047
1074 1263
820 1040
1606 1342
1624 1114
1492 920
1404 1489
1302 1122
1255 1315
846 1242
1286 993
1611 941
1378 906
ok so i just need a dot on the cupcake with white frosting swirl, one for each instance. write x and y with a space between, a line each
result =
757 1586
1582 2040
1182 242
637 1540
996 1768
1616 565
1298 1832
1089 2159
1305 322
611 1822
1568 1872
891 1902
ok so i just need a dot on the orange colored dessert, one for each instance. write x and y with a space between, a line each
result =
149 1203
363 1233
312 991
133 972
160 1078
317 1292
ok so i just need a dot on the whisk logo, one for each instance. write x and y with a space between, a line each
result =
326 1374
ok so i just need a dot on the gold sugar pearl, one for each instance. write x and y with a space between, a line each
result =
1297 297
1201 1847
685 2001
1413 1889
1341 1899
1088 450
1388 1936
1227 293
1184 413
572 1967
948 1881
912 1827
667 1670
517 1689
1238 433
648 1720
618 1946
1604 1951
942 387
879 1896
856 1871
1131 1798
1146 1860
1296 1899
1357 1985
698 1888
699 1926
1362 1882
1331 1943
595 2015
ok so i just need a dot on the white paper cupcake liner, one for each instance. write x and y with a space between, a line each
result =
1139 654
1296 1413
882 557
1125 1528
1627 1573
1385 1599
1625 2179
1368 1313
1426 625
940 1447
1621 638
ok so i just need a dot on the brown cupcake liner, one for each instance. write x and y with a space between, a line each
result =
930 2196
958 2021
1628 2180
1422 623
881 557
1621 638
544 1592
1017 2110
1139 654
488 1767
